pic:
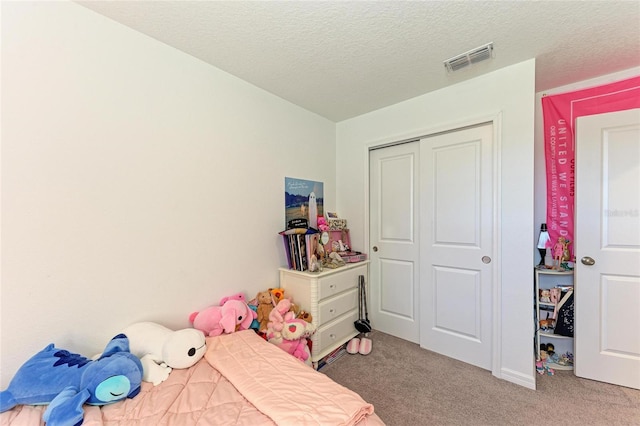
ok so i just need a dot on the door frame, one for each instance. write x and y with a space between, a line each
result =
496 120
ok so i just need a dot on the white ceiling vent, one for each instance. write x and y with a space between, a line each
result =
471 57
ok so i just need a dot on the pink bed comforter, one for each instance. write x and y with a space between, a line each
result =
242 380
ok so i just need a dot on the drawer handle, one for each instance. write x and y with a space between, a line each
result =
331 311
332 286
333 336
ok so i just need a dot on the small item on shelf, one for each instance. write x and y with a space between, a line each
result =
555 294
545 295
298 223
565 359
561 253
543 240
336 260
335 223
322 224
353 256
548 259
336 240
548 348
546 324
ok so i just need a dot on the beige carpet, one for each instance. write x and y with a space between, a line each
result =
412 386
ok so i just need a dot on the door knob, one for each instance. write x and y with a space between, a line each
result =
486 259
375 248
587 261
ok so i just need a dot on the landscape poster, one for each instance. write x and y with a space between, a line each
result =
304 199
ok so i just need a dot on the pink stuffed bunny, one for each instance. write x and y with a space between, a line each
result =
277 314
233 315
293 338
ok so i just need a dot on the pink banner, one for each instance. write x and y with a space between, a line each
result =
560 112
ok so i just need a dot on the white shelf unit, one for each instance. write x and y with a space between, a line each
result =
547 279
331 297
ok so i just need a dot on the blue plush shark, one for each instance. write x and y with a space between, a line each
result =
66 381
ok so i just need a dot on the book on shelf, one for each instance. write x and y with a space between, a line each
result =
298 250
299 247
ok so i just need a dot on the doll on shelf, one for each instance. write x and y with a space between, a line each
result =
560 250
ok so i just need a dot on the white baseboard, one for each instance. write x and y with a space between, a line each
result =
518 378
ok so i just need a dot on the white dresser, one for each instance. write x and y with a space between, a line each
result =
331 297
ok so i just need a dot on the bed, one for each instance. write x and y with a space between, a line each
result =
242 380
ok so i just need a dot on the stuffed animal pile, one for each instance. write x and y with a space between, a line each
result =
148 351
265 301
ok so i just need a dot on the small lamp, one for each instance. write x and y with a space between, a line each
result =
543 239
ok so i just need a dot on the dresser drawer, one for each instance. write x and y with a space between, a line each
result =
330 309
337 283
335 333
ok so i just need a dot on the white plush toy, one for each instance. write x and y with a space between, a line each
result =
161 349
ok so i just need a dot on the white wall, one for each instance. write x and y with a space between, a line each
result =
138 183
509 91
540 168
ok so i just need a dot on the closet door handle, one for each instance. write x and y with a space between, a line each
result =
589 261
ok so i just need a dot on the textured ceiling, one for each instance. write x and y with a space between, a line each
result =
341 59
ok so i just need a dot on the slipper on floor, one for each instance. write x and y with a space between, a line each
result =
353 346
365 346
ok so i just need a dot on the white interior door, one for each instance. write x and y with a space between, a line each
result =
607 292
457 211
393 234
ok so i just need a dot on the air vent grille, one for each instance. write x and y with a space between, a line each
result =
471 57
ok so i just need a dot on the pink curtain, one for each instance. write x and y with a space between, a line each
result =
560 112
